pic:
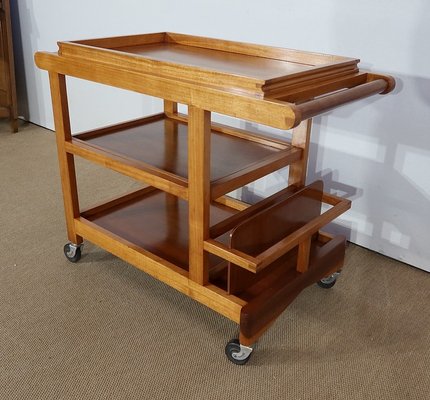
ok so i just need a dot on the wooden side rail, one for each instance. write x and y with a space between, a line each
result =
236 257
326 103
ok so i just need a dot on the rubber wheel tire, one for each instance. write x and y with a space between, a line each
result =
326 285
77 255
233 346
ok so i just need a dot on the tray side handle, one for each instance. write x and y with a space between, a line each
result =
377 84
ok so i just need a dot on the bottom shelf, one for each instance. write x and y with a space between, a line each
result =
155 221
149 229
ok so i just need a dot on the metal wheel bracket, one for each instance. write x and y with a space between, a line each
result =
243 353
329 279
73 248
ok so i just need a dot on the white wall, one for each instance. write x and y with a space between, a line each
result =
375 152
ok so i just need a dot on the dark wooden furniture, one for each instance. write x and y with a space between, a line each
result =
247 262
8 102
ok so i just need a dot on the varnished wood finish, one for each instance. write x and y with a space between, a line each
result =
237 257
301 139
157 148
123 62
271 298
140 171
264 229
108 204
247 262
247 212
122 41
118 127
328 102
66 160
242 134
232 202
304 254
294 239
391 82
253 172
266 232
150 220
324 237
170 108
256 50
264 111
199 146
252 68
303 91
209 295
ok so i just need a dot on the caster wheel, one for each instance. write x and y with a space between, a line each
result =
237 353
329 281
72 252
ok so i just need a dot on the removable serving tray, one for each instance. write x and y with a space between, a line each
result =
253 69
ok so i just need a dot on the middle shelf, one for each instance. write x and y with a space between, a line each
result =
155 150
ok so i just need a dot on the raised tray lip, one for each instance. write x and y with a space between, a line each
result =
108 51
248 48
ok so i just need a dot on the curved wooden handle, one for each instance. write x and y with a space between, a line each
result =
326 103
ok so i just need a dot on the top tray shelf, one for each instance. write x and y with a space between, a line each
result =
268 85
252 69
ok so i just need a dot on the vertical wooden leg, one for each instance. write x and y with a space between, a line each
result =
14 125
170 107
249 341
66 161
198 191
301 138
171 135
171 157
303 255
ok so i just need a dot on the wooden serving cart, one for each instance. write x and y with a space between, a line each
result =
247 262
